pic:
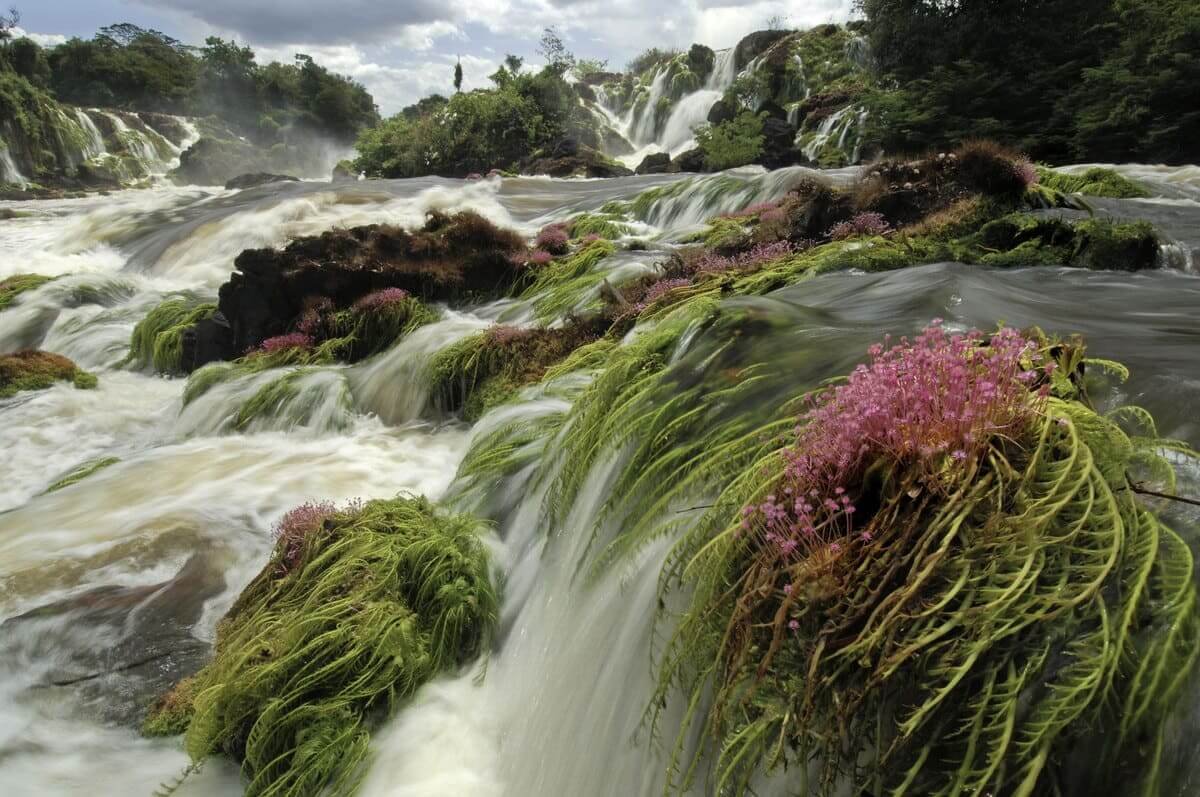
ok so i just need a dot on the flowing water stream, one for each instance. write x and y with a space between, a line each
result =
101 581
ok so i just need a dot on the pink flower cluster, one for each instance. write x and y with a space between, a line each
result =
503 334
658 290
295 526
292 340
932 403
862 224
380 299
553 238
1026 171
540 257
712 263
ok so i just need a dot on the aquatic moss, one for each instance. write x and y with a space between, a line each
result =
1096 181
605 225
204 379
961 637
380 599
39 370
14 286
372 328
488 369
157 340
561 286
82 472
285 401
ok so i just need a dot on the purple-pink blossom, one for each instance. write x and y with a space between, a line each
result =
712 263
296 526
931 405
292 340
540 257
380 299
751 210
658 290
869 223
553 238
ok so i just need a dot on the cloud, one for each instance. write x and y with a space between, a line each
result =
278 21
44 39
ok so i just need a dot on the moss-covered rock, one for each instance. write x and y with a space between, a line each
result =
157 340
1096 181
356 609
14 286
38 370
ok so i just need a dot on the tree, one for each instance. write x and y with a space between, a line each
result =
8 23
554 50
458 75
514 63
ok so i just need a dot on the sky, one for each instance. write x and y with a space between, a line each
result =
403 50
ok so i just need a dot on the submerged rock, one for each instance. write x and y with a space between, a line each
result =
259 178
570 159
38 370
654 163
690 161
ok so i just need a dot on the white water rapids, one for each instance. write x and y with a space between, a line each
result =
558 709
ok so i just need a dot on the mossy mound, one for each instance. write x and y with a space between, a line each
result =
38 370
157 340
452 258
485 370
356 610
14 286
1096 181
604 225
983 618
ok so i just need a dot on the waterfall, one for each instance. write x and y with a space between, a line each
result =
93 139
149 148
9 171
646 122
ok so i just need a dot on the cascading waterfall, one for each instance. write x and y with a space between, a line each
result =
93 139
149 552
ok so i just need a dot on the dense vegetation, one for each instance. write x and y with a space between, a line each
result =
1117 80
485 129
124 66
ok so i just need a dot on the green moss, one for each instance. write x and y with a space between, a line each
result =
14 286
1102 244
725 234
561 286
81 473
1096 181
204 379
605 225
157 340
39 370
345 622
369 330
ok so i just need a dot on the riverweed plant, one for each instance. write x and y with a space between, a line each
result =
938 582
157 340
356 609
14 286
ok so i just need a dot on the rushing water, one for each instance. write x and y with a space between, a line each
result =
140 560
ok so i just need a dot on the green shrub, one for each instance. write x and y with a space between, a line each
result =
736 142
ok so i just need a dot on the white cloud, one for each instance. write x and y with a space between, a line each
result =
44 39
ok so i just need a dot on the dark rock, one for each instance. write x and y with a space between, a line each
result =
213 161
585 92
690 161
613 143
773 110
654 163
779 147
755 44
452 258
344 172
722 110
167 126
117 647
585 162
564 148
259 178
701 61
207 341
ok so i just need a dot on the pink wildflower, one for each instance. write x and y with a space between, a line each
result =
553 239
292 340
296 526
540 257
659 290
863 224
380 299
